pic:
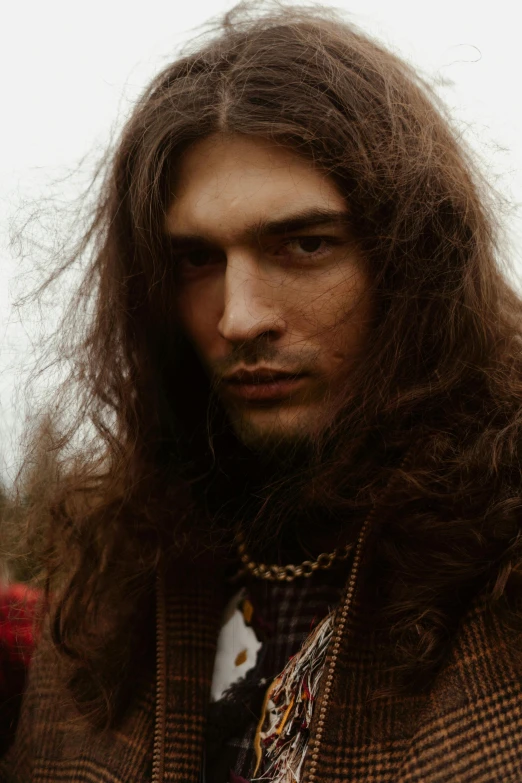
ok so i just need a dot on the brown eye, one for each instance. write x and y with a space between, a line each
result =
199 258
306 248
309 244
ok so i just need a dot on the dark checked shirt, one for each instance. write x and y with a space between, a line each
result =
283 615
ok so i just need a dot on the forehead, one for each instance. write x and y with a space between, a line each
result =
224 183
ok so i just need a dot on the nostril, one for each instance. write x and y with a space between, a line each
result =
239 324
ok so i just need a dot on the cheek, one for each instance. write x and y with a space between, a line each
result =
333 305
199 309
335 318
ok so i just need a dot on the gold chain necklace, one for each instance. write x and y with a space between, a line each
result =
289 572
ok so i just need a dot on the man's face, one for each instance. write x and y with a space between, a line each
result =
271 292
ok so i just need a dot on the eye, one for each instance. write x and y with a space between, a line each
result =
197 258
304 247
309 244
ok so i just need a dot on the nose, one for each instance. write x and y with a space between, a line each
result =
252 302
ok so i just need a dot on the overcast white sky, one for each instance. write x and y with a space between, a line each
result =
69 73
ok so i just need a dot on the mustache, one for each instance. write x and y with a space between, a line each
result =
294 361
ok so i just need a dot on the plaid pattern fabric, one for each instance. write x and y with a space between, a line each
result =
17 609
54 743
284 614
466 729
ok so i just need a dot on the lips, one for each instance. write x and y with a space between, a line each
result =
263 384
260 376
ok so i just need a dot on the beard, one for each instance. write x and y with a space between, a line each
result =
274 446
273 483
267 486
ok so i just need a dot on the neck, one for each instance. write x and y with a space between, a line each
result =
307 504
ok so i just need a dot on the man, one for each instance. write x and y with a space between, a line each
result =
292 552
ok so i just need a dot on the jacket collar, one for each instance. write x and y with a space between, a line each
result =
189 607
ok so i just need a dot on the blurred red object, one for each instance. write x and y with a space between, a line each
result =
18 608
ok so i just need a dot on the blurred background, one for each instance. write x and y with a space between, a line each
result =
69 76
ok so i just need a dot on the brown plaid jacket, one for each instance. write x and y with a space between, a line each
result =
466 729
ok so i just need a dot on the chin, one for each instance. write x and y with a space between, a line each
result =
268 431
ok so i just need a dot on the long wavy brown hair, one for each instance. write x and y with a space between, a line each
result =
440 378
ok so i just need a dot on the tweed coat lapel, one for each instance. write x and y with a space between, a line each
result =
193 616
466 729
471 726
55 745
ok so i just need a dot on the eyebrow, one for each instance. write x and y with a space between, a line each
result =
288 224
